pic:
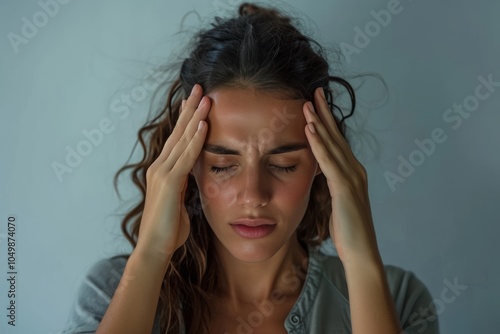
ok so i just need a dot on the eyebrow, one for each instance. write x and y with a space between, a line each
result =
217 149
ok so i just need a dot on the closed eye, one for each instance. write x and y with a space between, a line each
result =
285 169
215 169
288 169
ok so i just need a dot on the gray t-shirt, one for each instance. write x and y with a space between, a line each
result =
322 306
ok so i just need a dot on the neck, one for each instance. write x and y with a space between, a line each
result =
280 276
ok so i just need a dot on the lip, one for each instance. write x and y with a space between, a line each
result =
253 222
253 232
253 228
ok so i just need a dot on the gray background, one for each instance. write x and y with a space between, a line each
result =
441 223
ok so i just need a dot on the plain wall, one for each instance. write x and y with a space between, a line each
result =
70 75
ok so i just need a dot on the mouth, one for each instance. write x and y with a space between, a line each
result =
253 228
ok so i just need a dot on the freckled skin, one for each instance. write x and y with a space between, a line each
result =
246 120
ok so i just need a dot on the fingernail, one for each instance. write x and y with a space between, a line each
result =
183 104
311 127
310 106
192 90
322 92
203 102
200 125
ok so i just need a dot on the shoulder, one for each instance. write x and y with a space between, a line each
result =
103 278
107 272
400 280
94 294
104 275
412 299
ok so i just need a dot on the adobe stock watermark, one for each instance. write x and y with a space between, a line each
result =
424 315
121 107
453 117
363 37
31 26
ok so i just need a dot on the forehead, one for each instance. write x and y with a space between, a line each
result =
255 118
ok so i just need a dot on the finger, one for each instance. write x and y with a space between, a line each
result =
329 164
190 154
326 116
340 177
328 153
188 135
188 109
328 120
329 149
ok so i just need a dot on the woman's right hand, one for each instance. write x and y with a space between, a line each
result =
165 222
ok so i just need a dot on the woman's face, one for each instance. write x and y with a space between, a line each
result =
256 162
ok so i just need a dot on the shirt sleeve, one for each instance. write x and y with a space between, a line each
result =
413 302
94 295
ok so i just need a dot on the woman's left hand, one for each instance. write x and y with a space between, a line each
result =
351 225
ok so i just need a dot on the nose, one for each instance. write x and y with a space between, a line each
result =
253 187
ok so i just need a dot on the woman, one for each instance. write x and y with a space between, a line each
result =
246 171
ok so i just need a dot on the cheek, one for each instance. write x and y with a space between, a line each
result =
215 195
295 194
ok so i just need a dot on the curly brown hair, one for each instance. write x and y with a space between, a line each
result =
261 49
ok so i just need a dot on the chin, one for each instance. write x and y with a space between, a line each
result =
251 251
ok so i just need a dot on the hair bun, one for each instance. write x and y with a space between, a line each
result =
247 9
